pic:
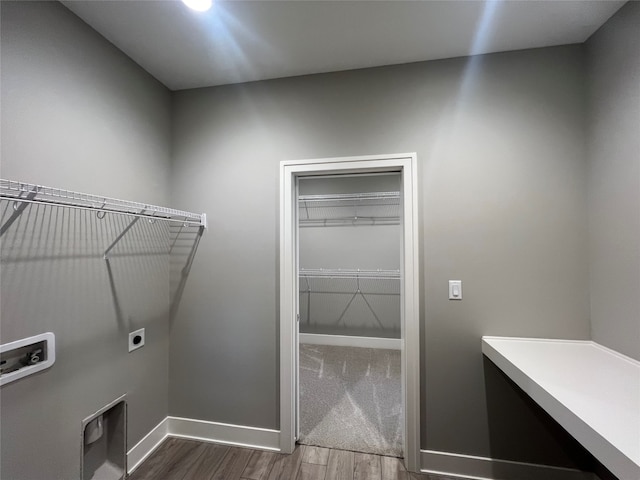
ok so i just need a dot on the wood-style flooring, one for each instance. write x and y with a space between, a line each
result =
179 459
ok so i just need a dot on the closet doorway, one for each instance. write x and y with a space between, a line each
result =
352 308
349 306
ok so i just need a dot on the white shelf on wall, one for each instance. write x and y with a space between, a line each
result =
592 391
351 282
372 208
354 274
23 194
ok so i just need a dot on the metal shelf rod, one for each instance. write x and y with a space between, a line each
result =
327 292
340 221
351 274
350 196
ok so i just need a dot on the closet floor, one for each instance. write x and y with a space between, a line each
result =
350 399
179 459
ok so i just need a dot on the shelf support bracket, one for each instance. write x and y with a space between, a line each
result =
119 237
18 209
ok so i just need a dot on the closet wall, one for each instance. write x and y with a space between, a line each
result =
614 181
332 305
78 114
500 142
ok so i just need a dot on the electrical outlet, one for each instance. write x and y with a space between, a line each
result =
136 340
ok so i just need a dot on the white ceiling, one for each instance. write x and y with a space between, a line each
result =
240 41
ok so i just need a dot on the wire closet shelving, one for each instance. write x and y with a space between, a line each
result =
338 280
355 274
23 194
371 208
353 282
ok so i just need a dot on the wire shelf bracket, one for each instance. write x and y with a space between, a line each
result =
119 237
18 208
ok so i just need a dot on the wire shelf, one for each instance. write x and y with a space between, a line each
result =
372 208
24 193
342 281
376 289
350 274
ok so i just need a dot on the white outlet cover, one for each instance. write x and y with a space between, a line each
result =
136 340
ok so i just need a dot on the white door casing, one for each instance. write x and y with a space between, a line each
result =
410 356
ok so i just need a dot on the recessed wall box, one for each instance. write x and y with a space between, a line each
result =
104 443
26 356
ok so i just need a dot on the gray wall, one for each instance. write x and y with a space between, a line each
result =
503 195
375 313
78 114
502 179
614 181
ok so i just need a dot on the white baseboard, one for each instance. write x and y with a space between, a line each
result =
224 433
350 341
434 462
147 445
251 437
484 468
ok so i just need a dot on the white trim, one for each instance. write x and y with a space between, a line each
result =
351 341
484 468
288 271
224 433
434 462
289 171
411 315
204 431
147 445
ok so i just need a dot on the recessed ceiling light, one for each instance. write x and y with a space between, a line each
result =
198 5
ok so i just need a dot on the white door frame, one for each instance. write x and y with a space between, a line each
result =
410 357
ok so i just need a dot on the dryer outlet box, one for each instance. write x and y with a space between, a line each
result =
136 340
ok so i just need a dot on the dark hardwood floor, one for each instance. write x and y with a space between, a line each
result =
179 459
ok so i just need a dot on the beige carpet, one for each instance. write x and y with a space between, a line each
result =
350 398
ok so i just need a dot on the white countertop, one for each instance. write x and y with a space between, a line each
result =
592 391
